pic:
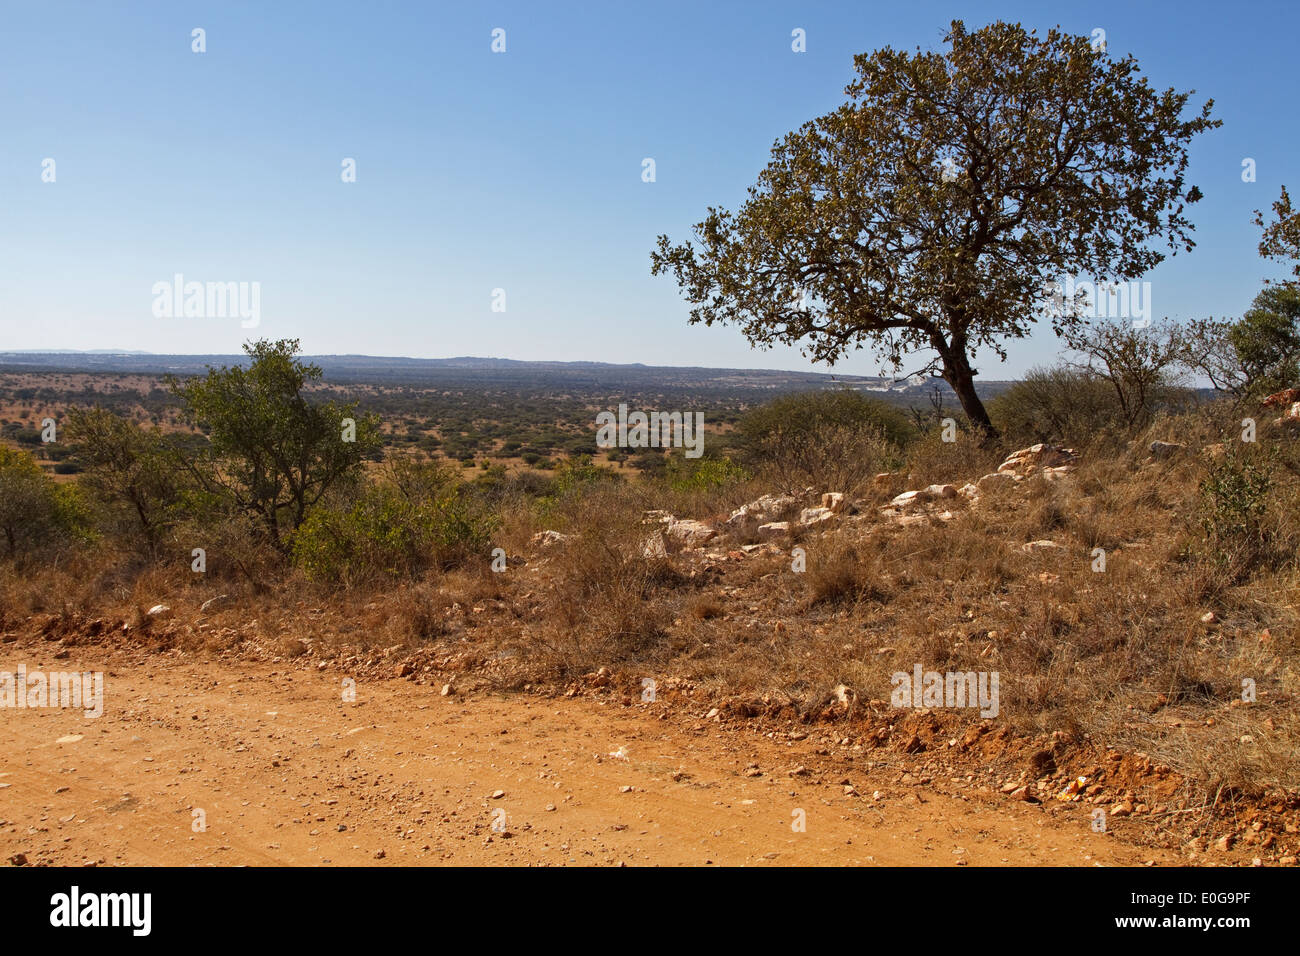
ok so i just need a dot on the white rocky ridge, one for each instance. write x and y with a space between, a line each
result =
907 508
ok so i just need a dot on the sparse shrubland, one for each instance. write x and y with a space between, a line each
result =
1196 590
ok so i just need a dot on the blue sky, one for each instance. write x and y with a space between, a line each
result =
519 171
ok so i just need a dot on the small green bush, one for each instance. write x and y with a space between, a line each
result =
703 474
1233 511
417 519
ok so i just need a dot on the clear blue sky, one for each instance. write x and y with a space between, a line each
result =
519 170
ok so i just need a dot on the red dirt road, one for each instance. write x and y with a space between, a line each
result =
281 771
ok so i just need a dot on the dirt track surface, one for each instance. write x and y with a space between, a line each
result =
286 773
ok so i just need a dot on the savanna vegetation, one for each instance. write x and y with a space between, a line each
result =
487 525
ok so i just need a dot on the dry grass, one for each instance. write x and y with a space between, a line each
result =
1119 656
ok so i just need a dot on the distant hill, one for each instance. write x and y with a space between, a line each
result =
470 371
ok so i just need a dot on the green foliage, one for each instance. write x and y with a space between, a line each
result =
703 474
34 512
273 452
928 211
74 514
1234 505
1267 341
1281 234
1256 355
415 519
134 473
576 474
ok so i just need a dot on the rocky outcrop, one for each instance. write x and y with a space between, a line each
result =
994 481
910 500
1289 401
815 516
1048 460
687 534
1283 399
835 501
768 506
547 539
912 507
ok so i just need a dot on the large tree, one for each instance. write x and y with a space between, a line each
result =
930 211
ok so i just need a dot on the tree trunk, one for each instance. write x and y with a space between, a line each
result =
961 377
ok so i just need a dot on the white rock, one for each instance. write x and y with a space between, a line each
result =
998 479
910 499
761 508
1040 545
688 533
1026 461
811 516
548 538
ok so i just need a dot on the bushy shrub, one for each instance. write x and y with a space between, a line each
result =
1059 405
579 473
931 460
35 513
836 439
1234 507
417 518
137 475
703 474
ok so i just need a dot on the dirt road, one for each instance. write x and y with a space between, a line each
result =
196 761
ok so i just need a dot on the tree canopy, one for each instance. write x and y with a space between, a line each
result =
273 452
929 212
1281 238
